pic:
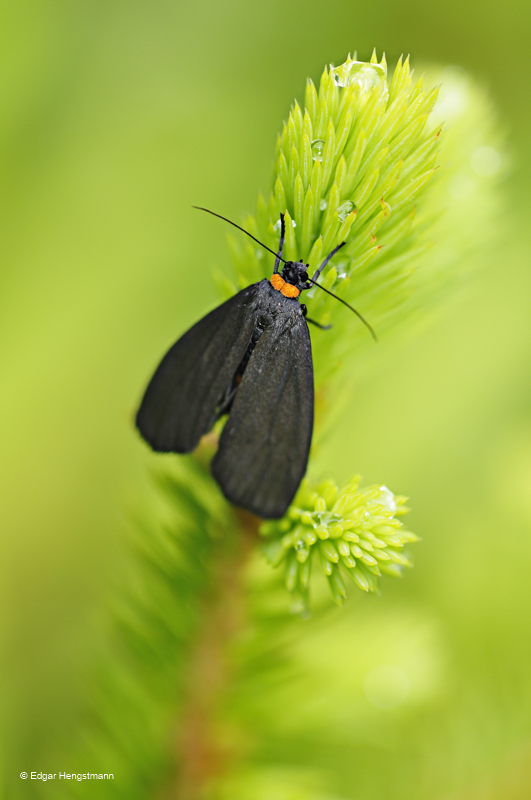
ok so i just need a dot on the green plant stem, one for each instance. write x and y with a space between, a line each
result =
201 754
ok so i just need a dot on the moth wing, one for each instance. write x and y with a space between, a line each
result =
264 447
179 405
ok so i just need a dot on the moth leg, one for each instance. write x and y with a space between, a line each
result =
317 324
226 401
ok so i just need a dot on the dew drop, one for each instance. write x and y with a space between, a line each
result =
387 499
323 205
366 75
259 254
317 149
344 210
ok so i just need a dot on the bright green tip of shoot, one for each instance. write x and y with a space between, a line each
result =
359 161
350 166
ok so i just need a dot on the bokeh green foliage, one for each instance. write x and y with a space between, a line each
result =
136 690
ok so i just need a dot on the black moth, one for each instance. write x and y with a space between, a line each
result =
249 358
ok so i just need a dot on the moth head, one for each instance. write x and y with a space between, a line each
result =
295 273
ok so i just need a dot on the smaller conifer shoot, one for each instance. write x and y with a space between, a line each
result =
343 532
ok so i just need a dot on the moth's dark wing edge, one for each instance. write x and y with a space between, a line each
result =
264 447
179 405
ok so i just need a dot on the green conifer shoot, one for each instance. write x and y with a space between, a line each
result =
353 165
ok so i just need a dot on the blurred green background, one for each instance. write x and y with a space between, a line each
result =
116 117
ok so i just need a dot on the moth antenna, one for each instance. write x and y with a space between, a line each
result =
348 306
277 255
327 259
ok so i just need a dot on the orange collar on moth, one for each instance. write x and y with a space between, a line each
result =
286 289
